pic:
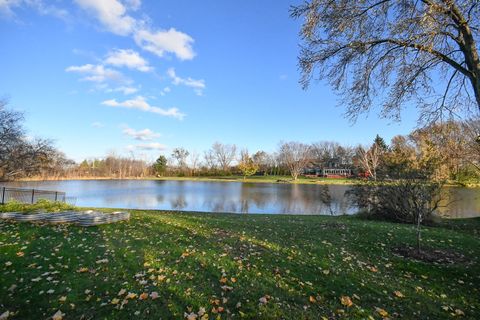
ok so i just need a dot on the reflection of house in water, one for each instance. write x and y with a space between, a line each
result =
333 168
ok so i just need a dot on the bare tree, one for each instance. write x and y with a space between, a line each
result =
20 156
209 158
393 51
471 130
180 155
369 160
224 154
295 156
194 160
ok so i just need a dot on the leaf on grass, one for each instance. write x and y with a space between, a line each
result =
131 295
346 301
381 312
58 315
5 315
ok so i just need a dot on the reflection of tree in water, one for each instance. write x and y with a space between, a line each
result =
306 199
254 194
460 202
179 203
220 204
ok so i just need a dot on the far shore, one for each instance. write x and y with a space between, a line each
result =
236 178
253 179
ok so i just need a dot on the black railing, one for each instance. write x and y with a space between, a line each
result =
29 195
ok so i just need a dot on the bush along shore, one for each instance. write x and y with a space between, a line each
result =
224 266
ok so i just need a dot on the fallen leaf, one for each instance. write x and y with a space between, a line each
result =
346 301
131 295
381 312
58 315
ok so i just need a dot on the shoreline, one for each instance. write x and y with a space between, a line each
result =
260 179
256 179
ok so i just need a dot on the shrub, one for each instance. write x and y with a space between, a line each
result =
409 200
40 205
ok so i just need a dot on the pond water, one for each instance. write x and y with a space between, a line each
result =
233 197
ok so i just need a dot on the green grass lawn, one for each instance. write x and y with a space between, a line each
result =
235 266
267 179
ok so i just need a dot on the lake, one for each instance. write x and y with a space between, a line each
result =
233 197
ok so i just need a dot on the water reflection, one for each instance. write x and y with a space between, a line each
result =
228 197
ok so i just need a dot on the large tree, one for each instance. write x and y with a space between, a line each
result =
395 52
295 156
224 155
20 156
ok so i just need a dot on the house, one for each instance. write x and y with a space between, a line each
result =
333 168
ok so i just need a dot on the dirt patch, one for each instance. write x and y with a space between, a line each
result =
222 233
430 255
333 225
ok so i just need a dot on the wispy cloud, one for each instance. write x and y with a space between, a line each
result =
126 90
97 124
139 103
133 4
98 73
165 91
197 85
142 135
7 8
127 58
147 147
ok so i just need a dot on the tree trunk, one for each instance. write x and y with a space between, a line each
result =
419 235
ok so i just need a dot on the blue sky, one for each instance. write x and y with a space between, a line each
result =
144 77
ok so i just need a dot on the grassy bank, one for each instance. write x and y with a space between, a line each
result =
252 179
264 179
235 266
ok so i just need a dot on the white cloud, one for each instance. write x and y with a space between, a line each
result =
140 103
142 135
127 58
133 4
166 41
97 124
165 91
98 73
112 14
126 90
147 146
197 85
7 7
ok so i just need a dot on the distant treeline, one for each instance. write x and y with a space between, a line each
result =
449 150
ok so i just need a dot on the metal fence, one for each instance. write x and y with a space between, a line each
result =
29 195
